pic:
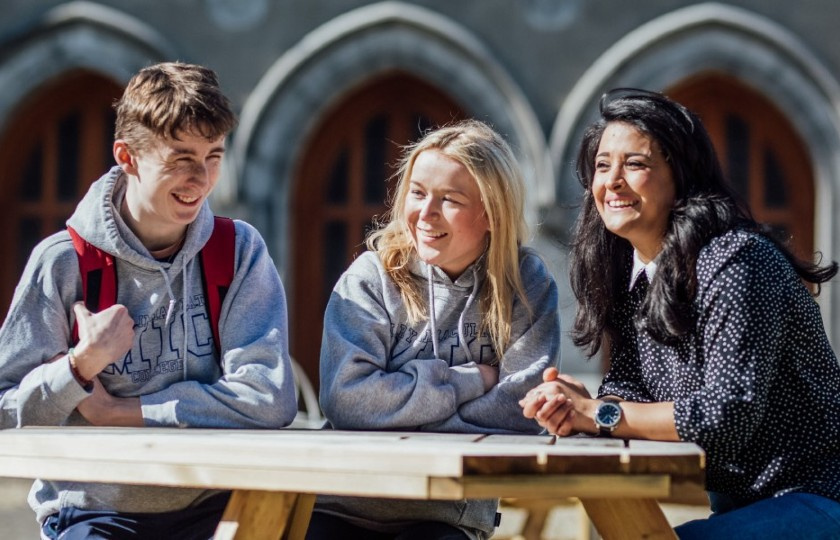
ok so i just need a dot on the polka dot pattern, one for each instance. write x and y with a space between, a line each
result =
755 384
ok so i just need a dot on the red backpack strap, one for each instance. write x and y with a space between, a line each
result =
99 276
217 261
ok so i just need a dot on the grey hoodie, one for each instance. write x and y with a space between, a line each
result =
173 367
379 372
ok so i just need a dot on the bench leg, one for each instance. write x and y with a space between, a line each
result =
256 515
535 523
628 519
301 513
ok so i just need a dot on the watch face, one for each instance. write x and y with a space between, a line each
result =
608 414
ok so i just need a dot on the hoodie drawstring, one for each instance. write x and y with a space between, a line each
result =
470 300
170 310
171 306
433 319
184 273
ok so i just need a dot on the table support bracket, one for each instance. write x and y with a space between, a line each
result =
628 519
261 515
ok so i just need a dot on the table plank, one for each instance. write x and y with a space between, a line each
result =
543 486
517 439
391 464
278 472
437 454
262 449
387 484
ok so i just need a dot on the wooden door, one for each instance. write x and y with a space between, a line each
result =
760 152
55 145
342 186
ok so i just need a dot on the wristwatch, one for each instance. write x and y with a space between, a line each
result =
607 416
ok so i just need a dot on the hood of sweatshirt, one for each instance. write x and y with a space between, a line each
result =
469 280
97 219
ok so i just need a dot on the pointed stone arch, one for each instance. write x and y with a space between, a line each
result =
77 36
57 83
280 115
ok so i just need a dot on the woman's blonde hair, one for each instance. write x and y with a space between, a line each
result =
491 163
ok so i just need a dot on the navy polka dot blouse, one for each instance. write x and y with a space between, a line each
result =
755 384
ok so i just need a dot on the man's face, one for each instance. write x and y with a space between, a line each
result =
172 180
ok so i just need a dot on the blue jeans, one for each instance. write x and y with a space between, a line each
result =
793 515
194 523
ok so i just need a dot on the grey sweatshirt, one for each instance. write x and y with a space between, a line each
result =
379 372
173 367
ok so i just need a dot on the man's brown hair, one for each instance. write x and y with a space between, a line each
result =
166 99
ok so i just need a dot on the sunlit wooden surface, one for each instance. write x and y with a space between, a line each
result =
276 473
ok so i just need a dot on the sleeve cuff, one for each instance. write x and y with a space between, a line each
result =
158 414
64 389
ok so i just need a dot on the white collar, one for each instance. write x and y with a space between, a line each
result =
638 267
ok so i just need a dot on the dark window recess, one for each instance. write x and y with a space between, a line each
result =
69 139
31 184
775 183
338 180
737 154
335 254
367 228
376 150
110 119
29 234
375 222
421 125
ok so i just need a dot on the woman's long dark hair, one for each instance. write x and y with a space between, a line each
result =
705 207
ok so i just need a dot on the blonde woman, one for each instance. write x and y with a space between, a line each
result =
442 326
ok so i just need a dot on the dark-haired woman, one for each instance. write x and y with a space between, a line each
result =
714 336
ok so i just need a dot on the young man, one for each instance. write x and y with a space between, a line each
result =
150 359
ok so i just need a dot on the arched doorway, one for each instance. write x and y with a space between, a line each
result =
56 144
342 184
760 152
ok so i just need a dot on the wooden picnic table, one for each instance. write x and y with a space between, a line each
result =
275 475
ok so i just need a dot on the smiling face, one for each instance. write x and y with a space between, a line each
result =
444 213
168 183
633 188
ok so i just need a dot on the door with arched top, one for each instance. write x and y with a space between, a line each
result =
760 151
53 147
342 185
